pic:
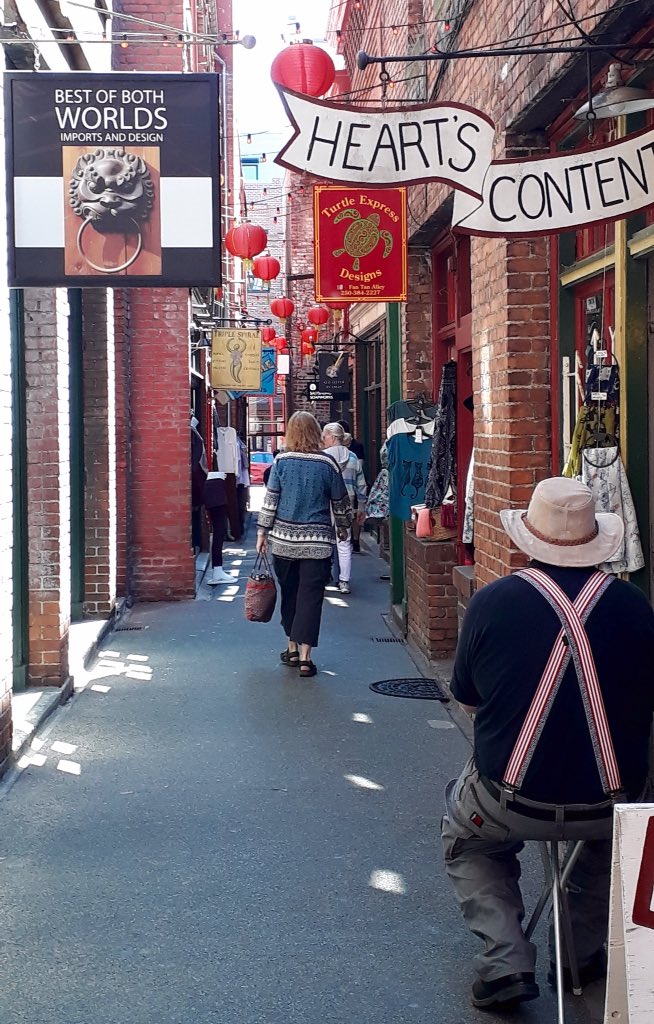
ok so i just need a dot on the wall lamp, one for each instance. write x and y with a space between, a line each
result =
615 98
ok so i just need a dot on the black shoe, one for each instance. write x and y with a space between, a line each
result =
505 993
356 547
593 970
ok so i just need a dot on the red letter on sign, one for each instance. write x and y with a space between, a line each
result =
643 913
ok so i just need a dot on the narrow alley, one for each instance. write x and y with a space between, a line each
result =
200 836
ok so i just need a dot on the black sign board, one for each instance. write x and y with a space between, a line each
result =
316 395
113 179
334 373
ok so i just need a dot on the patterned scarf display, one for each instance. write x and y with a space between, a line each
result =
442 465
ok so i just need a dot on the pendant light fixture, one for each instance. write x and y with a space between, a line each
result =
616 99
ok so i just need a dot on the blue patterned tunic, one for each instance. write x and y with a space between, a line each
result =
305 496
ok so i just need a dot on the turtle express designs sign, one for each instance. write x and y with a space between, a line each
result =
453 144
113 180
360 238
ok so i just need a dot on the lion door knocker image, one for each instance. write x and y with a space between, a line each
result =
113 193
236 349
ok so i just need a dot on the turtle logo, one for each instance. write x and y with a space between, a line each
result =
362 236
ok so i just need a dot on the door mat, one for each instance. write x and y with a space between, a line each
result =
419 689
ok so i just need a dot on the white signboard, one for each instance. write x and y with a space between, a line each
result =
527 197
446 142
630 981
453 143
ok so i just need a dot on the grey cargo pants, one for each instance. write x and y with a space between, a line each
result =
482 863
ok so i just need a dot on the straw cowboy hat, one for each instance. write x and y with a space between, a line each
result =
561 526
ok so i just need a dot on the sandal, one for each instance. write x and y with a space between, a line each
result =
307 669
290 658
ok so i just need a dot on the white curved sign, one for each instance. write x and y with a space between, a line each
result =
453 143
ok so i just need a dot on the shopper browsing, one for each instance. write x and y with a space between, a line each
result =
305 496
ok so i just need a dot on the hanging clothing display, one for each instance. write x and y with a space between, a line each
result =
595 429
404 409
468 529
408 459
595 460
377 505
227 454
406 426
243 478
603 471
442 467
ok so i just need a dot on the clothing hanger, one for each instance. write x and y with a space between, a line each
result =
417 406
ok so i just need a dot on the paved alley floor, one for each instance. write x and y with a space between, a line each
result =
199 837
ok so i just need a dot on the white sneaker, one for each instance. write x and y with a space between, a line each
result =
344 586
218 576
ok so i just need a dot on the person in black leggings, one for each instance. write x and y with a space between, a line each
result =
215 502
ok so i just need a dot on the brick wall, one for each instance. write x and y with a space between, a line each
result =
6 507
301 290
431 596
153 413
99 451
160 557
48 483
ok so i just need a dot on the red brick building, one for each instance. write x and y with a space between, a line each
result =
507 310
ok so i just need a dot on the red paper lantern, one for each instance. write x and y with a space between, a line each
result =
246 241
304 68
268 334
337 308
266 268
318 315
282 307
309 336
281 344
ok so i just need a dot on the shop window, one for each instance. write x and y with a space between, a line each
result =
452 339
594 320
256 286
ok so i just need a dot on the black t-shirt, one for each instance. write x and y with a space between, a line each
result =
358 450
507 636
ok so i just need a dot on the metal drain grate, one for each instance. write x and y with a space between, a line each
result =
387 639
128 629
418 689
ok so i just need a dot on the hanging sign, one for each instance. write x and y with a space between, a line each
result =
236 359
360 240
267 387
559 193
631 919
315 395
446 142
452 143
334 373
113 180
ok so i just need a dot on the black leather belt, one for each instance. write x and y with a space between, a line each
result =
546 812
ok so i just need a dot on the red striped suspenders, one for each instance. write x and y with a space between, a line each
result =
571 642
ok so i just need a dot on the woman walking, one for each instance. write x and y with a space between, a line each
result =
305 495
336 442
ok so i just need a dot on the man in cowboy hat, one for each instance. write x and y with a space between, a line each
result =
555 662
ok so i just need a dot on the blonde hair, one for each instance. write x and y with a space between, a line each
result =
303 433
347 439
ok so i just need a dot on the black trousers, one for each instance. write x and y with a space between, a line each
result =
302 584
218 516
